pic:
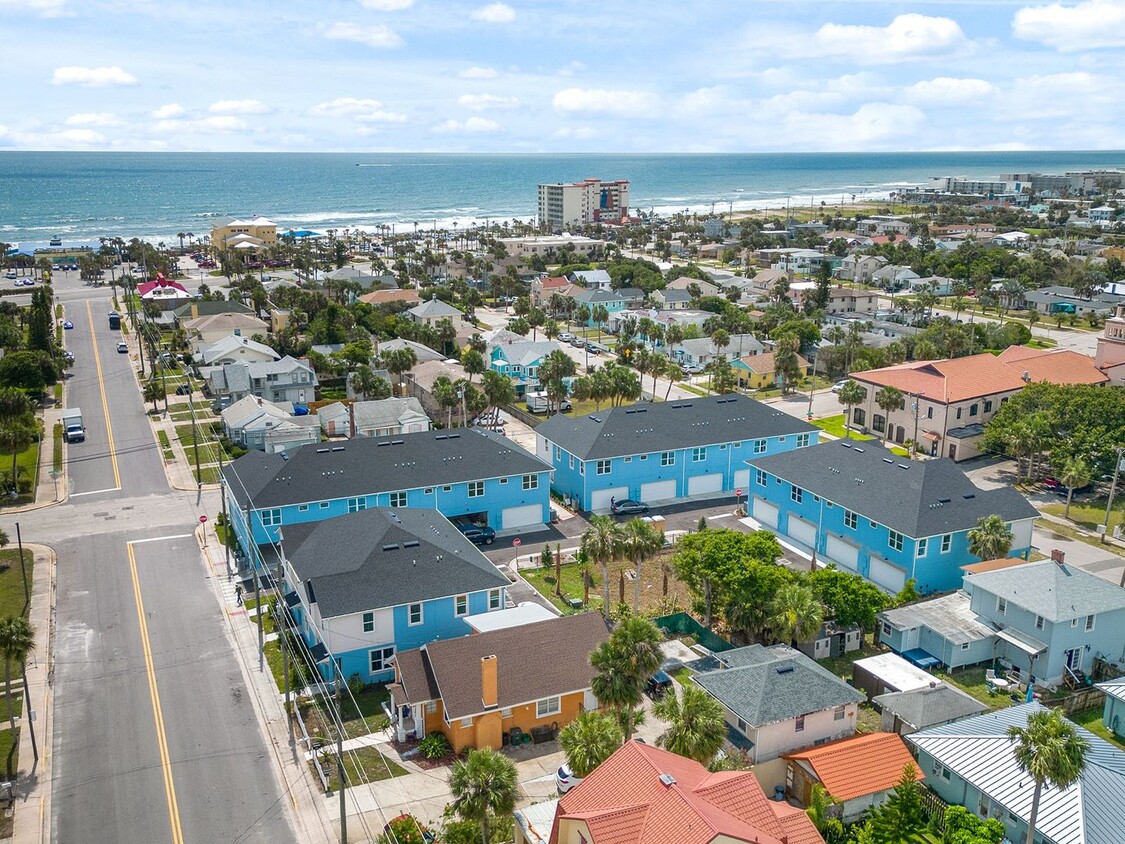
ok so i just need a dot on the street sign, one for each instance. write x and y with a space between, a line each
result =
738 493
516 542
202 519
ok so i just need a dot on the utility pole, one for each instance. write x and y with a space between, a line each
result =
1112 492
251 554
340 764
23 569
195 444
914 447
223 495
280 614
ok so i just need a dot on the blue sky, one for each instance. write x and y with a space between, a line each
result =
564 76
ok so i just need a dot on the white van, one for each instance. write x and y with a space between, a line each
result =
537 402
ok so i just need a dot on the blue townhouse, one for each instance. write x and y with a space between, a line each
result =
520 362
860 506
663 451
368 585
465 474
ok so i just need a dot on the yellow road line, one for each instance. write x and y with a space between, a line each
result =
158 715
105 402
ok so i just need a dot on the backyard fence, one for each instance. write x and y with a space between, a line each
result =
1077 701
682 624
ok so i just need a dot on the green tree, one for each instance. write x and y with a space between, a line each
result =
153 392
639 542
796 613
588 741
555 367
445 394
849 598
484 785
1074 474
850 395
990 539
960 826
624 662
889 400
368 385
497 388
17 640
697 726
27 370
601 543
1051 752
714 563
398 362
820 812
472 361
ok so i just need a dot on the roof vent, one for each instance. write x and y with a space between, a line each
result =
785 669
393 546
887 460
441 437
323 450
338 448
969 495
667 779
397 442
903 466
846 445
455 436
858 450
943 501
411 543
383 443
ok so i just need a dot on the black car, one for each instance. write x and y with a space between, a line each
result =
478 534
628 507
658 685
183 390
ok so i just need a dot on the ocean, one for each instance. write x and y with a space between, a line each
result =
81 196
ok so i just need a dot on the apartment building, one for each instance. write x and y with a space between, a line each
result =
576 203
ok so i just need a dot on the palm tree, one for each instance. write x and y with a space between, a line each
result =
483 785
850 394
15 436
588 741
819 812
153 392
639 542
1050 750
398 362
473 363
624 663
990 539
445 394
1075 474
17 640
600 544
497 388
889 399
697 727
367 384
796 613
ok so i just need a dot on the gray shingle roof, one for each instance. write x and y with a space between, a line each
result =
767 685
663 426
435 308
1057 592
938 704
353 566
368 465
916 498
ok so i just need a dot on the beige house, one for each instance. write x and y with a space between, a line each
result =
844 300
208 330
229 232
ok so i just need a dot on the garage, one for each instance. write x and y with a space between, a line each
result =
765 512
802 530
702 484
517 517
886 574
600 499
658 491
842 552
742 480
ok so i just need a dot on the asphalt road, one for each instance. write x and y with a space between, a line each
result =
155 736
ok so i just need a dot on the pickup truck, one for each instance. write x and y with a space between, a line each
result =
73 429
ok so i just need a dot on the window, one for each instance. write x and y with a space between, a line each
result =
796 494
850 520
398 499
271 518
476 489
357 504
894 539
558 453
503 481
415 614
759 446
494 600
741 726
929 413
988 406
1074 622
667 458
302 508
698 454
628 459
644 457
530 482
601 467
973 408
461 605
1089 623
878 423
572 461
368 622
920 549
803 440
859 416
447 488
759 477
428 491
838 713
323 505
431 707
958 413
964 646
548 706
946 543
800 724
380 659
1001 606
467 722
886 629
581 468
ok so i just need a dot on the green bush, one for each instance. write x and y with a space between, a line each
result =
434 746
356 685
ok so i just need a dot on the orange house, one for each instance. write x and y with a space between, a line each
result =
477 689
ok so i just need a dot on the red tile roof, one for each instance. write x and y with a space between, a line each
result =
953 380
624 801
1057 366
860 765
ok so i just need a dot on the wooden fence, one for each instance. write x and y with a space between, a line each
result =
1086 698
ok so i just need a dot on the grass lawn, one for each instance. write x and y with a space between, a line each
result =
901 452
834 425
27 461
867 719
9 751
1086 514
373 766
971 680
681 675
652 585
209 474
543 579
841 665
11 581
370 712
1091 719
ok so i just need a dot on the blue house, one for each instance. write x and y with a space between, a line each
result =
860 506
367 585
466 474
664 451
520 362
1113 713
612 300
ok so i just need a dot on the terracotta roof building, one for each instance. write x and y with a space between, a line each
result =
644 794
385 297
1057 366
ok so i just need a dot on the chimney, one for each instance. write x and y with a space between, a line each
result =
1058 555
489 682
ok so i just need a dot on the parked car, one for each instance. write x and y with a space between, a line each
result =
123 347
565 337
67 324
658 685
628 507
565 780
183 390
693 368
839 385
478 534
578 343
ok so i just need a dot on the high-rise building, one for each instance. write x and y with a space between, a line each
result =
567 204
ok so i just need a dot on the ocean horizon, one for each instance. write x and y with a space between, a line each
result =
82 196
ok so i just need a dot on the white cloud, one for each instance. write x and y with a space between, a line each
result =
221 124
239 107
1056 97
484 102
80 137
92 77
386 5
362 111
168 111
472 126
1088 25
946 90
478 73
380 116
871 124
578 133
494 13
101 118
907 37
601 100
45 8
373 35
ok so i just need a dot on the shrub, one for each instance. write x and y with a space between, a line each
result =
355 685
405 829
434 746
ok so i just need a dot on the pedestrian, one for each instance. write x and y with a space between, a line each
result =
238 593
612 501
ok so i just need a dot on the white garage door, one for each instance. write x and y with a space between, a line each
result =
886 574
842 552
802 530
705 483
742 480
599 499
658 491
765 512
515 517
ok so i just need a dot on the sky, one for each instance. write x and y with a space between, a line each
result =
523 76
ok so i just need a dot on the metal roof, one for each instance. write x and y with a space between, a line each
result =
951 617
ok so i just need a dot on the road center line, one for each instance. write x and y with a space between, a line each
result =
96 491
105 402
157 713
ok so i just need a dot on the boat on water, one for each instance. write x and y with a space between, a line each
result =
56 241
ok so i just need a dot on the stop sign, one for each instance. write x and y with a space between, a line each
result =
516 542
202 519
738 493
